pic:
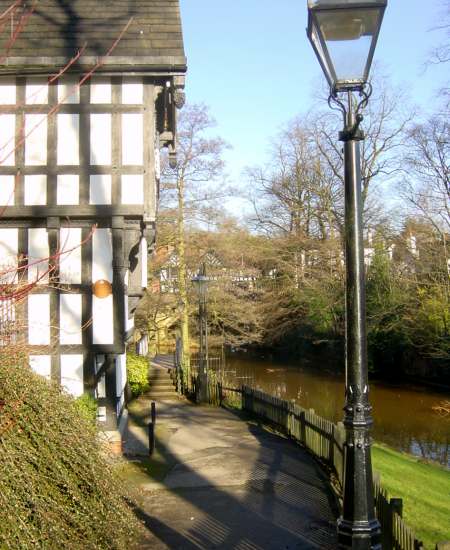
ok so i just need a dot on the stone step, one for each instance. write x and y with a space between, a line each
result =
160 380
161 395
163 372
165 388
162 387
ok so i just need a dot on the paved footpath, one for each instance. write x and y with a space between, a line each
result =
217 480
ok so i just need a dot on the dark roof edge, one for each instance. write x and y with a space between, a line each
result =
120 64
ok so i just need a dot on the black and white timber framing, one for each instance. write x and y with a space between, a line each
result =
79 176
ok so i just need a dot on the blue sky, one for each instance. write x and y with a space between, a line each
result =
251 62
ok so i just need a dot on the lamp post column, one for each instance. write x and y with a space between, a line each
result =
204 347
202 281
358 527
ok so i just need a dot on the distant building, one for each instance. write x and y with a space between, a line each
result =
79 177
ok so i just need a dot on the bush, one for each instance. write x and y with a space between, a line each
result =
56 486
137 369
87 406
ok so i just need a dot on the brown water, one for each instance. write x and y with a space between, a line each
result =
403 414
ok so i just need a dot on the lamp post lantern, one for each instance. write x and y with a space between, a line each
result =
344 34
201 282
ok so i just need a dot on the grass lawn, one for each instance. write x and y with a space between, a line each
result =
425 489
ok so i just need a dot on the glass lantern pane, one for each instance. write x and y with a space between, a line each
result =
321 55
348 35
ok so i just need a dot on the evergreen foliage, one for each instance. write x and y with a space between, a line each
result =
137 369
56 486
87 406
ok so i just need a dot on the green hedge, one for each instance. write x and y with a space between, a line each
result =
56 485
137 369
87 407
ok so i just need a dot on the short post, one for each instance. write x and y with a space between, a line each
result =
151 429
219 387
397 506
153 412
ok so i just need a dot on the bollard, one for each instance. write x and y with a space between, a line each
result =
151 429
151 438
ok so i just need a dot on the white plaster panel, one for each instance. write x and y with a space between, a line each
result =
68 139
9 245
101 387
68 189
132 93
144 262
35 190
41 364
8 327
68 91
102 255
7 185
36 94
100 189
7 94
121 373
120 405
36 140
157 164
38 252
101 384
101 139
101 414
7 311
70 258
129 323
72 374
102 320
133 189
100 92
39 319
70 319
132 139
7 140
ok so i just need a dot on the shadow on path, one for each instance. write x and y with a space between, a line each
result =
227 483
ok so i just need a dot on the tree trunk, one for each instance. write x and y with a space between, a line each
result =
182 282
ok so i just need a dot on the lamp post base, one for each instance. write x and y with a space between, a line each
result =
202 394
360 535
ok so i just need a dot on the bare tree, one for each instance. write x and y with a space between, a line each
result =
293 194
199 164
387 118
441 52
427 183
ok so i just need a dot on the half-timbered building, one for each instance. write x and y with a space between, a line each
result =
88 97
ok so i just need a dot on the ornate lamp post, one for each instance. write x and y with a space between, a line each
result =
344 34
201 282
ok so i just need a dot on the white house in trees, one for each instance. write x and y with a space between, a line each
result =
88 96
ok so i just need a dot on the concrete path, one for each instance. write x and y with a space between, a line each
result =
217 480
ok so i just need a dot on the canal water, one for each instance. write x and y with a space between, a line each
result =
403 414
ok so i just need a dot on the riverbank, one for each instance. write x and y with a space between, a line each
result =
404 415
424 488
